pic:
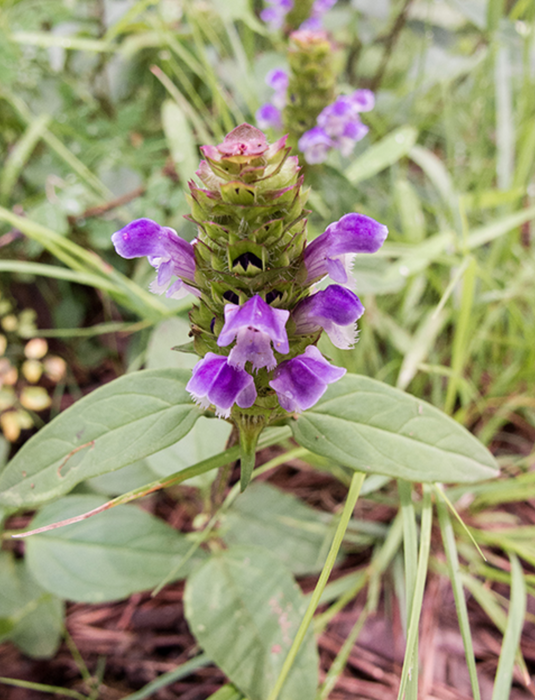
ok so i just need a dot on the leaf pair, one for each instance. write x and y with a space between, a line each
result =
360 423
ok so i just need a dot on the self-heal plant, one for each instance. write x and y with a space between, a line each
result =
258 317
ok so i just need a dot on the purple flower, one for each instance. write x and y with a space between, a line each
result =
363 100
335 309
312 24
215 381
353 132
302 381
278 80
341 121
255 325
319 8
268 116
171 255
315 145
276 12
332 252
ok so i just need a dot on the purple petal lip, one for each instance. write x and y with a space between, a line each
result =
354 233
302 381
216 382
255 325
335 309
165 250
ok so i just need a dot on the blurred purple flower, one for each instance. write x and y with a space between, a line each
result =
268 116
353 132
215 381
335 309
333 251
255 325
341 119
171 255
279 81
363 100
315 144
276 12
315 21
302 381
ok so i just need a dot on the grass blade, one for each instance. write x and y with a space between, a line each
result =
410 550
511 639
417 600
450 548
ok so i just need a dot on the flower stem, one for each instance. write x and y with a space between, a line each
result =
250 428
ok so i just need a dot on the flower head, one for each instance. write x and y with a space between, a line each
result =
171 255
333 251
302 381
255 325
215 381
335 309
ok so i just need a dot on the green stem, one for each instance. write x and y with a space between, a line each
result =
250 427
352 497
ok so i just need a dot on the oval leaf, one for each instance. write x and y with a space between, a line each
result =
106 557
372 427
123 421
244 608
30 617
282 524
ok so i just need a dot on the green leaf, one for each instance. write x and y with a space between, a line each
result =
381 155
207 438
128 478
106 557
180 139
30 617
168 334
119 423
371 427
264 516
227 692
244 608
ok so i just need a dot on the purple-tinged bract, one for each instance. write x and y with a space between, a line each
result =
302 381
